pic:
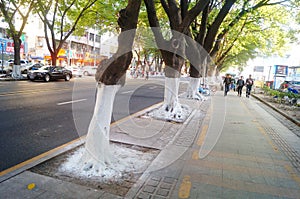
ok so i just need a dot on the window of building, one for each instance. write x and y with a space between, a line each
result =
98 38
91 38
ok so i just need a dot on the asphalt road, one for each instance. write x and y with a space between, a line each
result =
36 117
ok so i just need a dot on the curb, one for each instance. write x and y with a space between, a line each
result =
277 110
30 163
12 79
19 168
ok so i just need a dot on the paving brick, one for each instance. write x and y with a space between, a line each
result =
153 183
165 186
143 195
163 192
169 180
149 189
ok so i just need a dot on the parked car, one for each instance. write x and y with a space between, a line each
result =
48 73
89 70
291 86
30 67
23 62
76 71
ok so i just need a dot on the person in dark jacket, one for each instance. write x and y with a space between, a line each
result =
240 83
249 83
227 82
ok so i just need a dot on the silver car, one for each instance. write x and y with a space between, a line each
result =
89 70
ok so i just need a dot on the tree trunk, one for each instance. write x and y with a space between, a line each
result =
53 58
198 63
97 152
110 75
193 89
173 62
16 73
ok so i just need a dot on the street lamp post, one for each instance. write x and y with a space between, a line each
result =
2 58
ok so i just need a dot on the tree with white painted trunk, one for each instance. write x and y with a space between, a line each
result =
173 49
110 77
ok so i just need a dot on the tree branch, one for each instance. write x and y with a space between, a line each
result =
192 14
153 21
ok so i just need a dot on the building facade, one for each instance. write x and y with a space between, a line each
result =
77 50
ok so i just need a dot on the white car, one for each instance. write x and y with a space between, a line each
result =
89 70
23 62
76 71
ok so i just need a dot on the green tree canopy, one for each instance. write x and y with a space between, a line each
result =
16 10
61 18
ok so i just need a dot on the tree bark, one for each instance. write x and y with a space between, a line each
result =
110 76
173 50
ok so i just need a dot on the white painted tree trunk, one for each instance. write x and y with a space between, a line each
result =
171 104
193 89
97 149
171 110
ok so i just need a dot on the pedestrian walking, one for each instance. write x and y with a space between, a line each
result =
240 84
249 83
227 82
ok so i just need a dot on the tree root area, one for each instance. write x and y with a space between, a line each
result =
116 179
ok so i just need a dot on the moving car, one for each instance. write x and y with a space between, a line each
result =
48 73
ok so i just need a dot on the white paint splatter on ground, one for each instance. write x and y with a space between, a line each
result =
161 114
128 160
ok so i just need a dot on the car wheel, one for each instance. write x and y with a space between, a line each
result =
67 78
47 78
85 73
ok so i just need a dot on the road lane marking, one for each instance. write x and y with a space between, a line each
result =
70 102
37 90
185 187
153 87
125 92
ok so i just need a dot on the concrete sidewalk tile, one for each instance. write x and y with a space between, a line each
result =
52 185
52 195
281 182
16 190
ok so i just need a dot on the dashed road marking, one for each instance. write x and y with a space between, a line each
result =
125 92
70 102
153 87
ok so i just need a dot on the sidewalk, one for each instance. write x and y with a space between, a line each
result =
229 147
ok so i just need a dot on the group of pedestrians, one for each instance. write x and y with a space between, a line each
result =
239 85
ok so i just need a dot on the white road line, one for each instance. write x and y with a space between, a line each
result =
70 102
153 87
125 92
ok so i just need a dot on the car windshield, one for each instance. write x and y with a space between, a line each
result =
45 68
